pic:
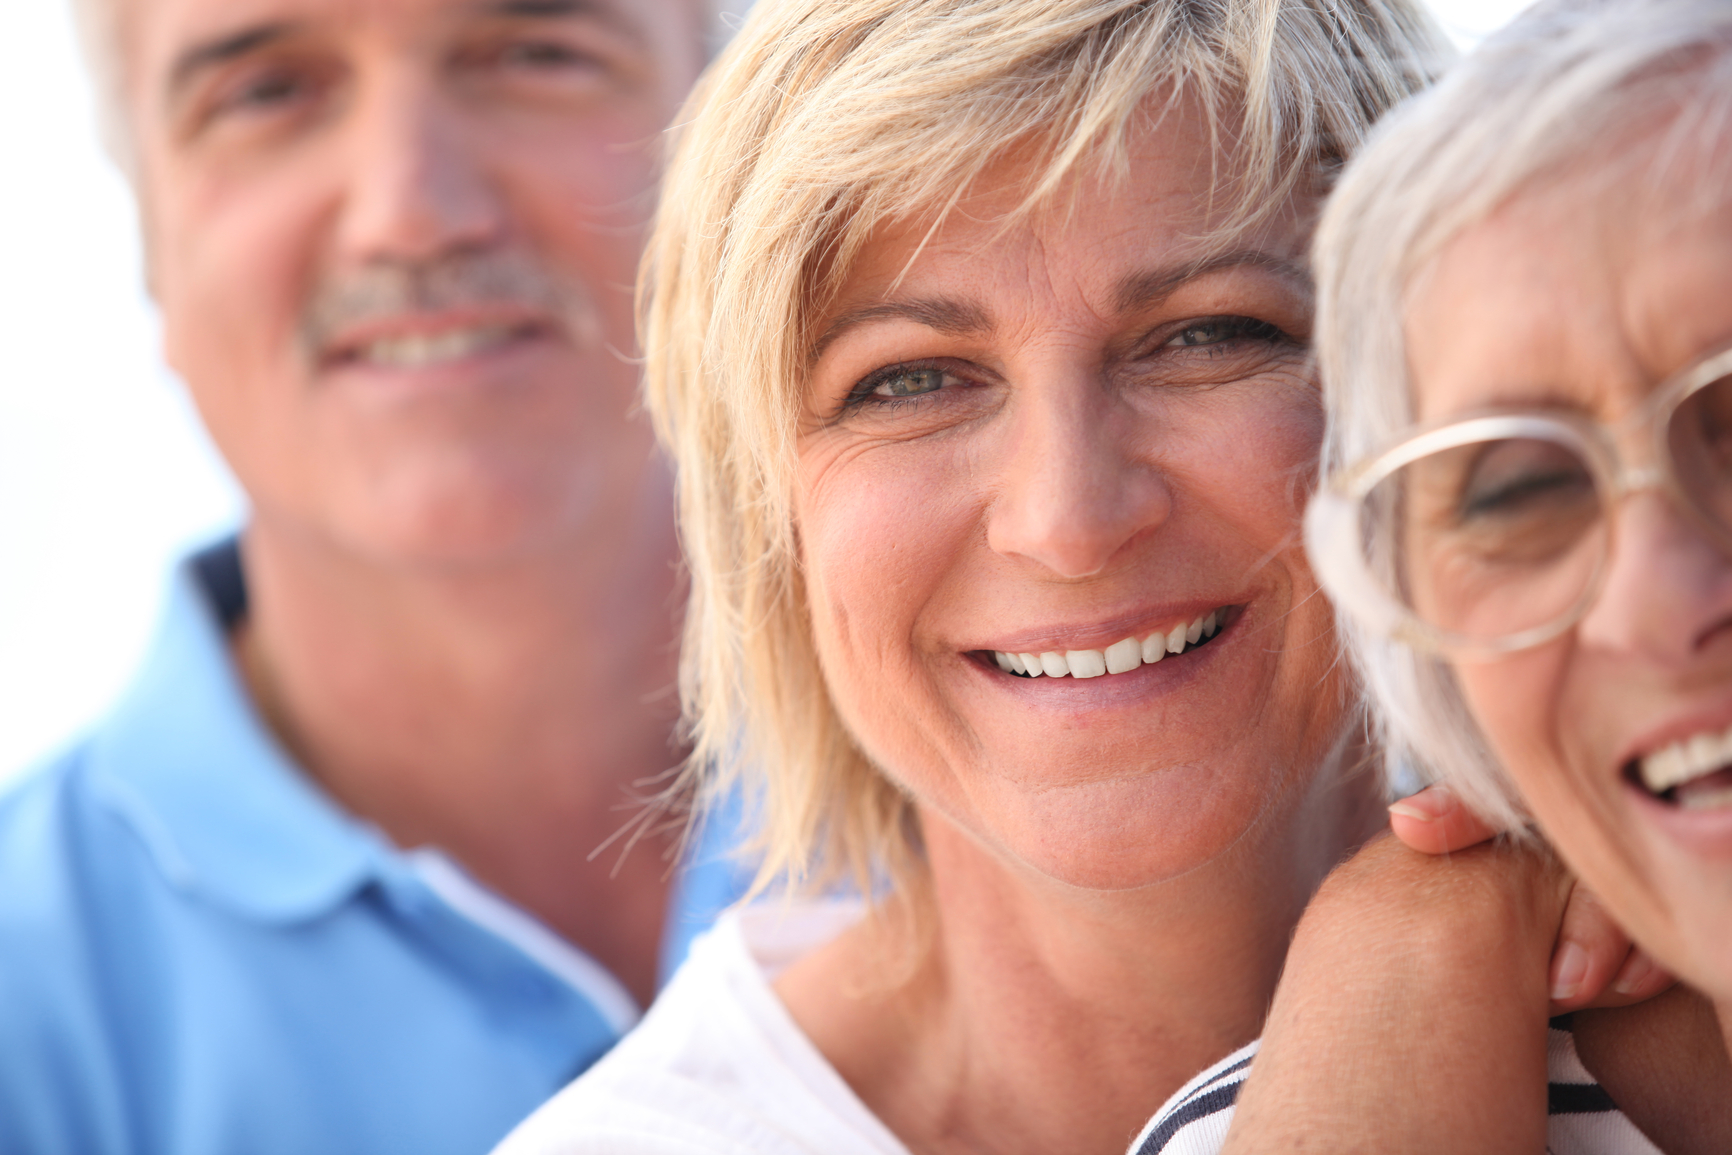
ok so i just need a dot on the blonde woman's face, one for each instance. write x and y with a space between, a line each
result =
1065 439
1583 302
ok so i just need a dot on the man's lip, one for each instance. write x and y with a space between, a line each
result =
347 344
1098 635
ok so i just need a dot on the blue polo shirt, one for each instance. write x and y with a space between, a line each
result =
201 953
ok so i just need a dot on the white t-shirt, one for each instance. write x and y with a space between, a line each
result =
1581 1117
718 1067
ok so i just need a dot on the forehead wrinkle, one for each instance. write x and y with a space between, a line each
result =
228 45
943 314
613 15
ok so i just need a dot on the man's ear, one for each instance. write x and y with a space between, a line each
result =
143 216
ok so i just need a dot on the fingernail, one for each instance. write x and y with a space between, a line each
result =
1634 976
1571 969
1428 805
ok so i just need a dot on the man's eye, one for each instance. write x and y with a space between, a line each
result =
542 54
540 59
1219 330
264 92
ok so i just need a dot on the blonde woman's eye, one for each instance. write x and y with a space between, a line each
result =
909 383
1219 330
898 383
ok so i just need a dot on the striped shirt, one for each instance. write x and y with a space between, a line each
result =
1581 1117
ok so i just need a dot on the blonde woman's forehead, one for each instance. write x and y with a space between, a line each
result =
1111 243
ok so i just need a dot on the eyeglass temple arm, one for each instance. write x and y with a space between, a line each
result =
1331 542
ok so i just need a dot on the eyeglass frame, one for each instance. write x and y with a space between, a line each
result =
1332 517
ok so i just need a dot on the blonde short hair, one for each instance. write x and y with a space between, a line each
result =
1568 86
822 120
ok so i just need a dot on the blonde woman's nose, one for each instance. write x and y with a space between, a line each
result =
1667 589
1073 491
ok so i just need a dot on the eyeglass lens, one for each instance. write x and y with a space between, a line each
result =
1700 439
1489 540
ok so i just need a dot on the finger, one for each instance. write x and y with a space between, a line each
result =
1637 981
1591 952
1435 822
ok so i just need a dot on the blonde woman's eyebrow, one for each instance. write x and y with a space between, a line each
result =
944 314
1151 287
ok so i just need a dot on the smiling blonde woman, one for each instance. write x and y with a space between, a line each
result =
978 329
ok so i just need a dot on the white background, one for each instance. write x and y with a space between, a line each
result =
105 475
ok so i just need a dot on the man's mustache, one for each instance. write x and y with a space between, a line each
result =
384 289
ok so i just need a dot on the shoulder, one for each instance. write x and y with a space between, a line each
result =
70 904
1663 1062
63 848
716 1066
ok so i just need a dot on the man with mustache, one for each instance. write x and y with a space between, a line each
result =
326 879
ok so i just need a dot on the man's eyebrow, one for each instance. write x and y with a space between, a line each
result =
221 49
1140 290
945 314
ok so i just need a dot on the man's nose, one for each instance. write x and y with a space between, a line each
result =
1074 490
417 185
1668 588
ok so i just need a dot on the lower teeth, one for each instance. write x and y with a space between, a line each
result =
1703 797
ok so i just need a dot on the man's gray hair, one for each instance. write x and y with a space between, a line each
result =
1570 87
98 25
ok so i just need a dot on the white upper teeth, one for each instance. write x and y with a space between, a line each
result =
1685 759
415 350
1119 658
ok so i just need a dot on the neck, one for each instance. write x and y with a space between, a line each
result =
506 713
1043 1017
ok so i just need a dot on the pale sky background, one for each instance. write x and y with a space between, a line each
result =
105 475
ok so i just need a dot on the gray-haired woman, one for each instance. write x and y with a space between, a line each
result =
978 330
1526 333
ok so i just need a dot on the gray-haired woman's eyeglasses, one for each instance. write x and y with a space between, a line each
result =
1490 533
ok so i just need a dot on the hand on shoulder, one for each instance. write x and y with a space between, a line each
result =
1593 963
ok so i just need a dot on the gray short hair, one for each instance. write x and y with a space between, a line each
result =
97 23
1564 86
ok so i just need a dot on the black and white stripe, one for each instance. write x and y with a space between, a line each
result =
1582 1119
1195 1120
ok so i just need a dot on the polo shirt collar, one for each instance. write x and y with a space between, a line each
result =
186 760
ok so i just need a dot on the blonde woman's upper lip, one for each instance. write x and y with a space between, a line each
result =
1098 635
